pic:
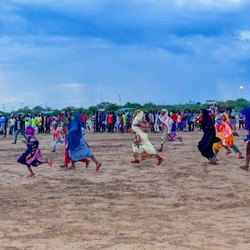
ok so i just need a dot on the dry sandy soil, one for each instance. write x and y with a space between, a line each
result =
182 204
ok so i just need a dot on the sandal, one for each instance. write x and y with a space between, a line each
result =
30 176
70 168
50 162
213 161
244 167
135 161
63 166
160 160
87 164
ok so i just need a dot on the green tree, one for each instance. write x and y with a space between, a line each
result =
111 107
133 105
37 110
149 106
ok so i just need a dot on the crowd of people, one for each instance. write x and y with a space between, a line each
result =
218 125
113 122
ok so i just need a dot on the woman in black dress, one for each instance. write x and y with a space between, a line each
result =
205 145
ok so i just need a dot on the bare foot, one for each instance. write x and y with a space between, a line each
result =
98 166
70 168
50 162
228 152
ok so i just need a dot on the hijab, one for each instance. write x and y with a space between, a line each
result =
74 132
206 119
139 115
164 112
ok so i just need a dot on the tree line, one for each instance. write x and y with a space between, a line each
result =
107 107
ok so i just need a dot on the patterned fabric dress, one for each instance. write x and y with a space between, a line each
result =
141 146
32 154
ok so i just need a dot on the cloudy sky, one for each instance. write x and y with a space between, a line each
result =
80 52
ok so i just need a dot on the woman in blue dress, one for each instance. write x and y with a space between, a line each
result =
77 146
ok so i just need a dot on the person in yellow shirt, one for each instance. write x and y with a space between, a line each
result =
39 123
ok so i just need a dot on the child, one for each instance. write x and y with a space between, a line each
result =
33 153
57 137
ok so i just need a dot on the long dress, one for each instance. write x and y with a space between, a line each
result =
82 151
32 154
228 135
141 146
205 145
77 145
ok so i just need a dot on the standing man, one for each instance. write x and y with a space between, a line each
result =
2 125
19 128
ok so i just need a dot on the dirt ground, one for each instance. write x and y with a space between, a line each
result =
182 204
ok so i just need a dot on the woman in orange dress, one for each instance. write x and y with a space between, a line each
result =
227 139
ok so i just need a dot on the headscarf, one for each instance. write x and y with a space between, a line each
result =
75 132
227 117
30 131
165 111
165 120
206 119
138 114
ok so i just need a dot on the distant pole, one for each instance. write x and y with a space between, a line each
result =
4 108
120 99
241 91
101 96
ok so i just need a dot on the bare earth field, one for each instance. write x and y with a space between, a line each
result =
182 204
